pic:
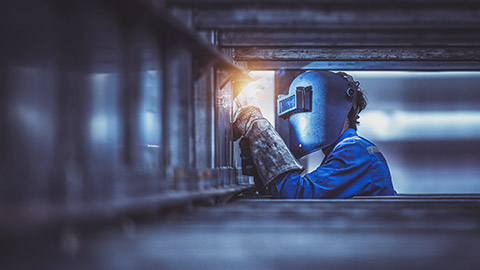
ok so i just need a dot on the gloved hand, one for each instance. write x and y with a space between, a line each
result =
244 118
247 97
266 148
248 166
269 153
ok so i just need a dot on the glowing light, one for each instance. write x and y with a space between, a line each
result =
153 146
396 125
104 121
377 123
260 74
263 95
99 127
249 94
410 74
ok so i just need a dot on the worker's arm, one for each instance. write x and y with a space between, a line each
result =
268 151
345 173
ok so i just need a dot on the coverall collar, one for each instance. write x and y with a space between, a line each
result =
350 132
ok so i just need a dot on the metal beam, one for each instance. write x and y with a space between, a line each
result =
368 3
388 17
20 219
332 38
169 26
358 54
255 234
367 65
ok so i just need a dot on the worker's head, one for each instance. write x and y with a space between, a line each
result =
319 105
359 101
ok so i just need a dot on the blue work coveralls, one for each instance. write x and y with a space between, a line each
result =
353 167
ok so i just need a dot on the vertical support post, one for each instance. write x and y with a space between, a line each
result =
223 133
177 104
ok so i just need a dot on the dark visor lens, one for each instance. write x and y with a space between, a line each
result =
300 101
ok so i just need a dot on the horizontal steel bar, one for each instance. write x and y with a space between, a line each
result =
372 199
338 18
359 54
351 38
21 219
367 65
369 3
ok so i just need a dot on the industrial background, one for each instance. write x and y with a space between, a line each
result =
116 147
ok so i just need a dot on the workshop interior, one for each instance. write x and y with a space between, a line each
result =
117 148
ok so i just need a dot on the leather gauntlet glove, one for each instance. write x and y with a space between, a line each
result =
248 167
269 153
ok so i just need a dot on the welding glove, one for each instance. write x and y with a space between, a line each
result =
248 167
269 153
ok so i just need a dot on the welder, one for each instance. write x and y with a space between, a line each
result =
323 109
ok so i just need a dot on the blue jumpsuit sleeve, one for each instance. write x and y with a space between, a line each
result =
343 174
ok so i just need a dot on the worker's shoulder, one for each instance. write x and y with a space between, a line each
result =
354 144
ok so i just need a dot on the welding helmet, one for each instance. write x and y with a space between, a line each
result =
316 107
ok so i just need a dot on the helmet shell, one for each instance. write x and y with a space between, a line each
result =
331 100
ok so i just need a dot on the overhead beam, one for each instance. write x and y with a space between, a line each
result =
367 65
344 34
358 54
305 17
368 3
329 38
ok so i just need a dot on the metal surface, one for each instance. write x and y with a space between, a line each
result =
278 234
344 32
367 65
341 16
106 104
349 37
355 54
325 3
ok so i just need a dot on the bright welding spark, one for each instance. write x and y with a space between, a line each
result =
249 94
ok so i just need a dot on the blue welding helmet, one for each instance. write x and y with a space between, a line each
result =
316 106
